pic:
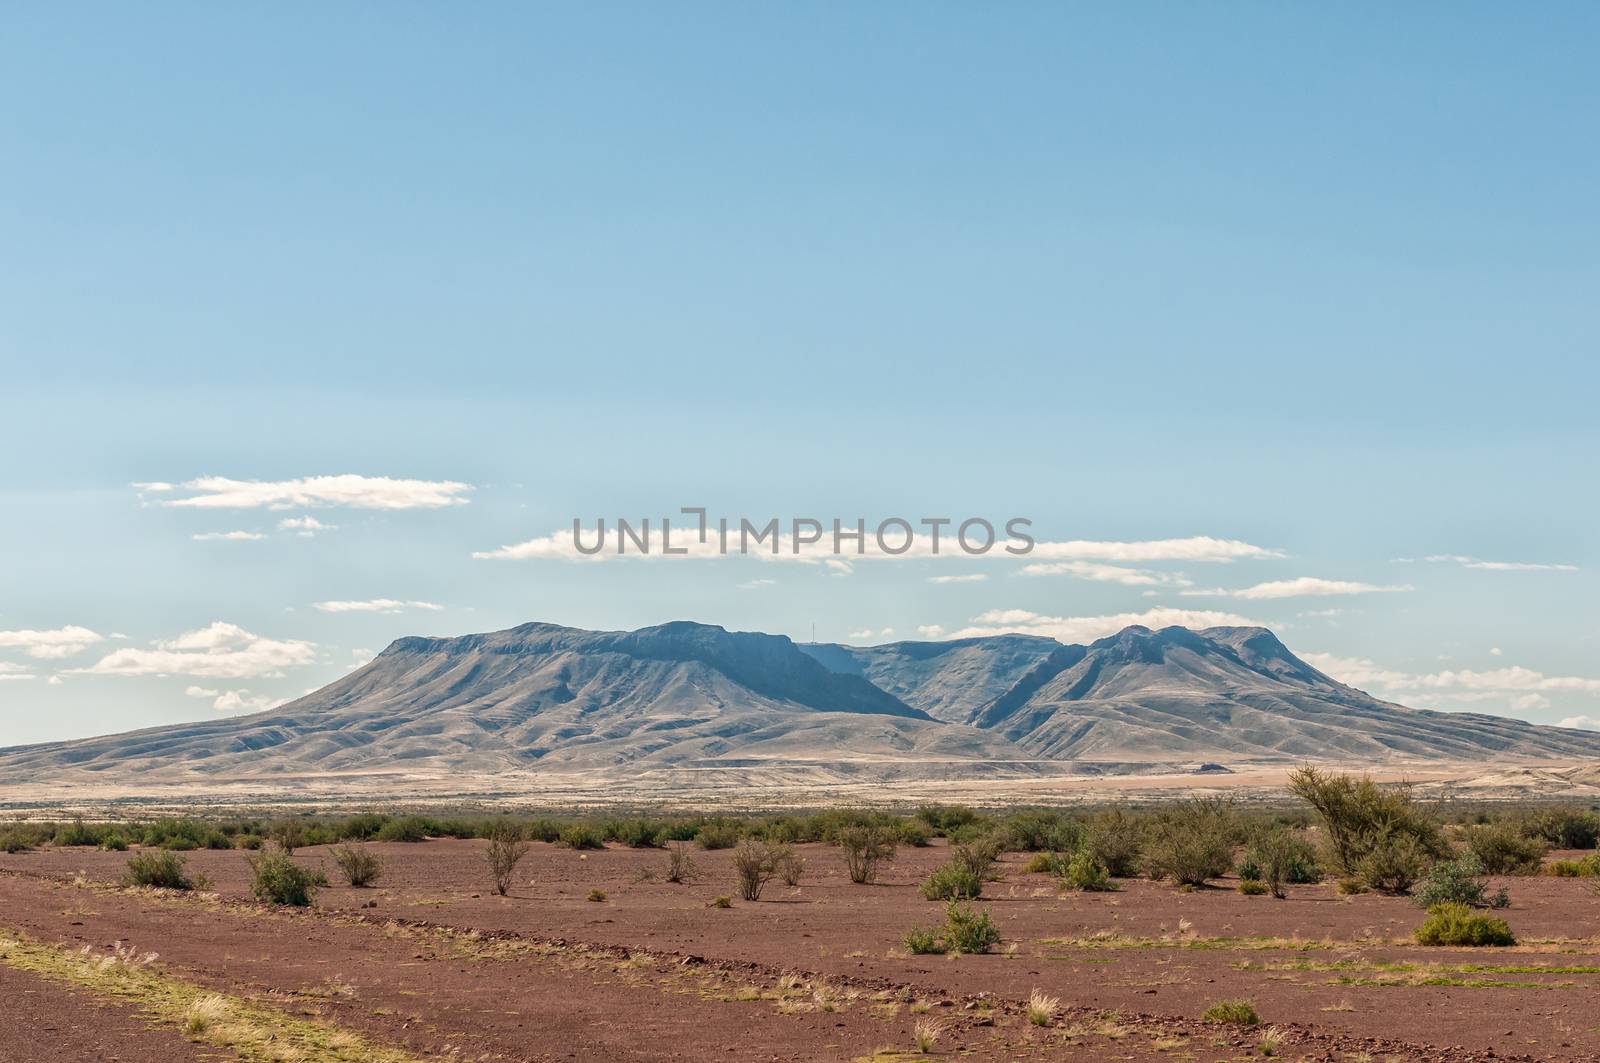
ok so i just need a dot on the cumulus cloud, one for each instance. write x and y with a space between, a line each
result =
219 651
1100 572
756 584
1088 628
227 537
1489 566
868 633
375 605
1520 689
232 700
1197 548
930 631
52 644
350 490
14 671
973 577
1301 587
305 527
1591 723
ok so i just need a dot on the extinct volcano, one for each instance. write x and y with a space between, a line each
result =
547 701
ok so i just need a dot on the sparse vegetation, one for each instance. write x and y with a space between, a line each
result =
1500 850
1280 856
597 895
1084 872
359 865
964 930
926 1033
680 866
1191 842
865 847
953 881
1379 835
1236 1012
507 846
754 865
1042 1009
1458 881
723 901
580 836
1458 924
161 869
277 879
1253 887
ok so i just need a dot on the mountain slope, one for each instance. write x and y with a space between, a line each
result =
545 697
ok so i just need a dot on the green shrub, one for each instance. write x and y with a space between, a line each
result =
289 834
1567 827
976 857
945 818
160 868
639 834
1236 1012
912 832
923 941
1192 842
968 930
1279 856
1041 863
1349 887
754 864
953 881
14 842
359 865
248 841
405 829
507 846
1457 924
1458 881
1117 841
78 833
114 843
680 866
597 894
1588 867
722 902
789 864
1253 887
362 827
718 835
279 880
1502 851
864 848
1084 872
1391 861
1358 816
580 836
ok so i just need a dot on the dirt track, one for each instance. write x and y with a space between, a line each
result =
653 973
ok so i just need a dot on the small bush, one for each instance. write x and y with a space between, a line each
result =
1041 863
1358 815
1392 861
754 865
1458 924
926 1034
248 841
279 880
1117 841
968 930
1458 881
1280 856
1235 1012
1588 867
410 829
1502 851
976 857
14 842
114 843
790 865
722 902
1253 887
290 834
359 865
639 834
923 941
161 868
717 836
580 836
1042 1009
1349 887
680 866
952 882
1191 843
1084 872
507 846
864 848
597 895
1567 827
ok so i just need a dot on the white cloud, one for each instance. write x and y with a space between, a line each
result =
14 671
155 486
1490 566
375 605
1312 614
305 527
1197 548
1104 573
1591 723
55 681
220 651
201 692
1302 587
227 537
930 631
1088 628
1494 651
974 577
756 584
53 644
837 567
1356 671
864 633
1529 702
356 492
1520 689
240 701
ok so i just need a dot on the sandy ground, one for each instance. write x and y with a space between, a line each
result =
653 972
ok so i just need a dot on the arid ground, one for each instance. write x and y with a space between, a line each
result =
431 963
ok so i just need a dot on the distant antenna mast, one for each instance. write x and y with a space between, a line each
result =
813 632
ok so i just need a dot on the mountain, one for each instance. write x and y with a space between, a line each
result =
692 701
1142 696
547 698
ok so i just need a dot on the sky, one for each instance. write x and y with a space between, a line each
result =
313 319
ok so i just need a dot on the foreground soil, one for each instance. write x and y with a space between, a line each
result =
432 962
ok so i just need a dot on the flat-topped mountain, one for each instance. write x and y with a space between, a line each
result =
554 700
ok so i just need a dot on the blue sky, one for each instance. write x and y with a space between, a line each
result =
1319 281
